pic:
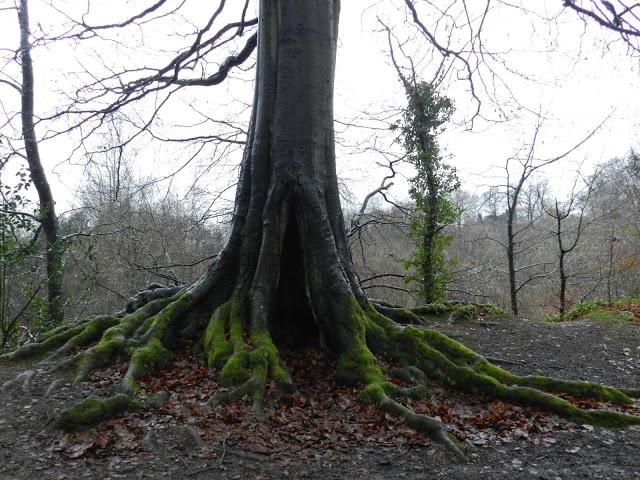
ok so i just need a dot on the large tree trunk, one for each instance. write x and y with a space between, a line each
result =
288 245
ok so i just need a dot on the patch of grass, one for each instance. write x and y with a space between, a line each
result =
578 310
594 308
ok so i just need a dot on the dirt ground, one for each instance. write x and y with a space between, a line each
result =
168 443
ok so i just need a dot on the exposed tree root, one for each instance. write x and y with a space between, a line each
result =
450 362
248 361
93 410
452 312
631 392
246 365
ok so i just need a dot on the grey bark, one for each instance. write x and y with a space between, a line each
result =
47 214
512 206
287 258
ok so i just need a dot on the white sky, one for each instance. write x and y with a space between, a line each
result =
578 81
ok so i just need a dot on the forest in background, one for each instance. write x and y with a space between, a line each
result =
127 229
133 233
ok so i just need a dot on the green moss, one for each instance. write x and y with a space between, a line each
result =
236 331
358 363
442 358
576 388
91 332
245 366
411 349
404 374
105 353
152 355
571 387
264 348
224 345
374 393
155 317
551 403
401 357
454 350
488 368
432 309
93 410
125 326
416 392
219 355
375 320
215 344
605 418
554 404
407 316
236 370
53 332
31 350
97 326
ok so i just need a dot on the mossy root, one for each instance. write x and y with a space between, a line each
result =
450 362
246 366
93 410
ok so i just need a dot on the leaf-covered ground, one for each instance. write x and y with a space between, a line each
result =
320 431
631 309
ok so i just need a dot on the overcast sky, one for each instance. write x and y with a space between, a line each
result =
577 80
573 76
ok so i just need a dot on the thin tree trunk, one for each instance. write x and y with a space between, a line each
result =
611 271
563 286
47 213
513 289
430 235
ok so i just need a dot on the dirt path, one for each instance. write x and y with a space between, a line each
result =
604 349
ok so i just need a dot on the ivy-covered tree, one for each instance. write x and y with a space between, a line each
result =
432 187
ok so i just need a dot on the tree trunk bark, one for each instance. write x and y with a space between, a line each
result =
563 287
288 251
47 214
513 289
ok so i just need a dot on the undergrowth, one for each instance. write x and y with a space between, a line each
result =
590 307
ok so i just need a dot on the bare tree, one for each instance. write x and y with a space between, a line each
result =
620 17
515 245
570 223
47 212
